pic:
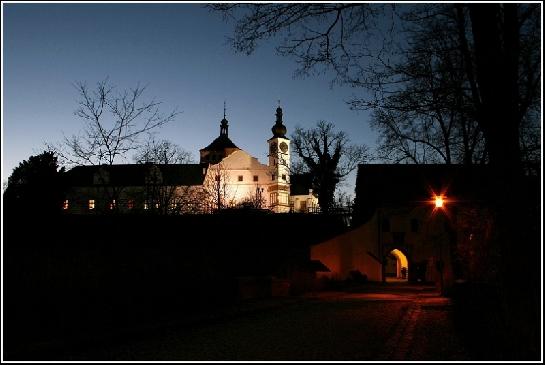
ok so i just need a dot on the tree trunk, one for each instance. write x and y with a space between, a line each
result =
495 34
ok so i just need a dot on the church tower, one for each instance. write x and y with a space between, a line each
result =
279 165
221 147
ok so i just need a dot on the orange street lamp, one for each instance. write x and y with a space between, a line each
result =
439 201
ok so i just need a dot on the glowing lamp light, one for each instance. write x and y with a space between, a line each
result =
439 201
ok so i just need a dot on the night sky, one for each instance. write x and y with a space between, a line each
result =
180 51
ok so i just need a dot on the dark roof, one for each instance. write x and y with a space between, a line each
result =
219 144
135 174
382 185
412 185
300 184
408 182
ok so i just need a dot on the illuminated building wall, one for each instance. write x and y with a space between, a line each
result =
225 177
420 235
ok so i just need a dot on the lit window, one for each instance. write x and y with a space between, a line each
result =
156 205
112 204
130 204
240 178
91 204
284 177
256 178
145 205
65 204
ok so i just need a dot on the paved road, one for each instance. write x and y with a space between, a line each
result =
391 323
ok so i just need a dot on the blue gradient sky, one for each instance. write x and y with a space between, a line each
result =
180 50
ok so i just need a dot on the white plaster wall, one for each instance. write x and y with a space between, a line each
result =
349 251
240 163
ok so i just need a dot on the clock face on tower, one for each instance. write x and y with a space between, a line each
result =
273 148
284 147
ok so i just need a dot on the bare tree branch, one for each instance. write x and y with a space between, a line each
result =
114 122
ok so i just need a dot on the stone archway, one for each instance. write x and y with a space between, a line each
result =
397 266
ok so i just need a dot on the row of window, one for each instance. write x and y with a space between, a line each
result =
111 205
256 178
241 178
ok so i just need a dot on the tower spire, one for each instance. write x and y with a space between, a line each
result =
279 129
224 125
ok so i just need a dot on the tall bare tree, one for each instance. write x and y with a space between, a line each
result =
365 45
113 123
329 157
422 107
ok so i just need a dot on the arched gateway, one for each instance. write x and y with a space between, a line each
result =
396 266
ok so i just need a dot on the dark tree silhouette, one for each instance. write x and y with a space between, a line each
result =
35 186
329 157
162 152
421 107
428 96
420 66
500 33
114 121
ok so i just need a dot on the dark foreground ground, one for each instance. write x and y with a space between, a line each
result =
373 322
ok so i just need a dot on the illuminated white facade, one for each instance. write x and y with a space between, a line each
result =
225 177
279 163
235 177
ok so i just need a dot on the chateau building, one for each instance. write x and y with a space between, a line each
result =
225 177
